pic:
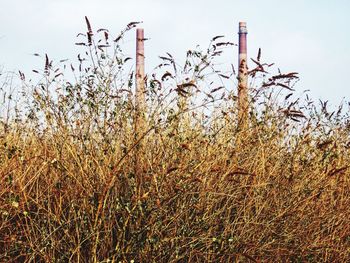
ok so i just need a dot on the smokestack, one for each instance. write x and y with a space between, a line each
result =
140 70
242 75
140 109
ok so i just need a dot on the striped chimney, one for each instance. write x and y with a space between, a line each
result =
140 70
243 74
140 108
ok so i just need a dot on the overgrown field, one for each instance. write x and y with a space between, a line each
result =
78 185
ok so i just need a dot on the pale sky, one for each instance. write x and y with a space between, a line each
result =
311 37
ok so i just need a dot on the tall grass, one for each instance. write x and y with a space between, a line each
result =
277 191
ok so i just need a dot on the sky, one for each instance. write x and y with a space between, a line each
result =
311 37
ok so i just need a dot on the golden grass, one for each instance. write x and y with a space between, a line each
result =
202 199
275 192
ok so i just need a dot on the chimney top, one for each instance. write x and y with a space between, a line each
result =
242 28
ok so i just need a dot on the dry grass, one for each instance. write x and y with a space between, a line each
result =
275 192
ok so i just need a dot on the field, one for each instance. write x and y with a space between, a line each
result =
78 184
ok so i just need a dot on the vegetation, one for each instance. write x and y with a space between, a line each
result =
77 184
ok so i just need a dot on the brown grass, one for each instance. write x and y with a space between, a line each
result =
275 192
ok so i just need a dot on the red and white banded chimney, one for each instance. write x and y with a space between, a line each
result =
242 74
